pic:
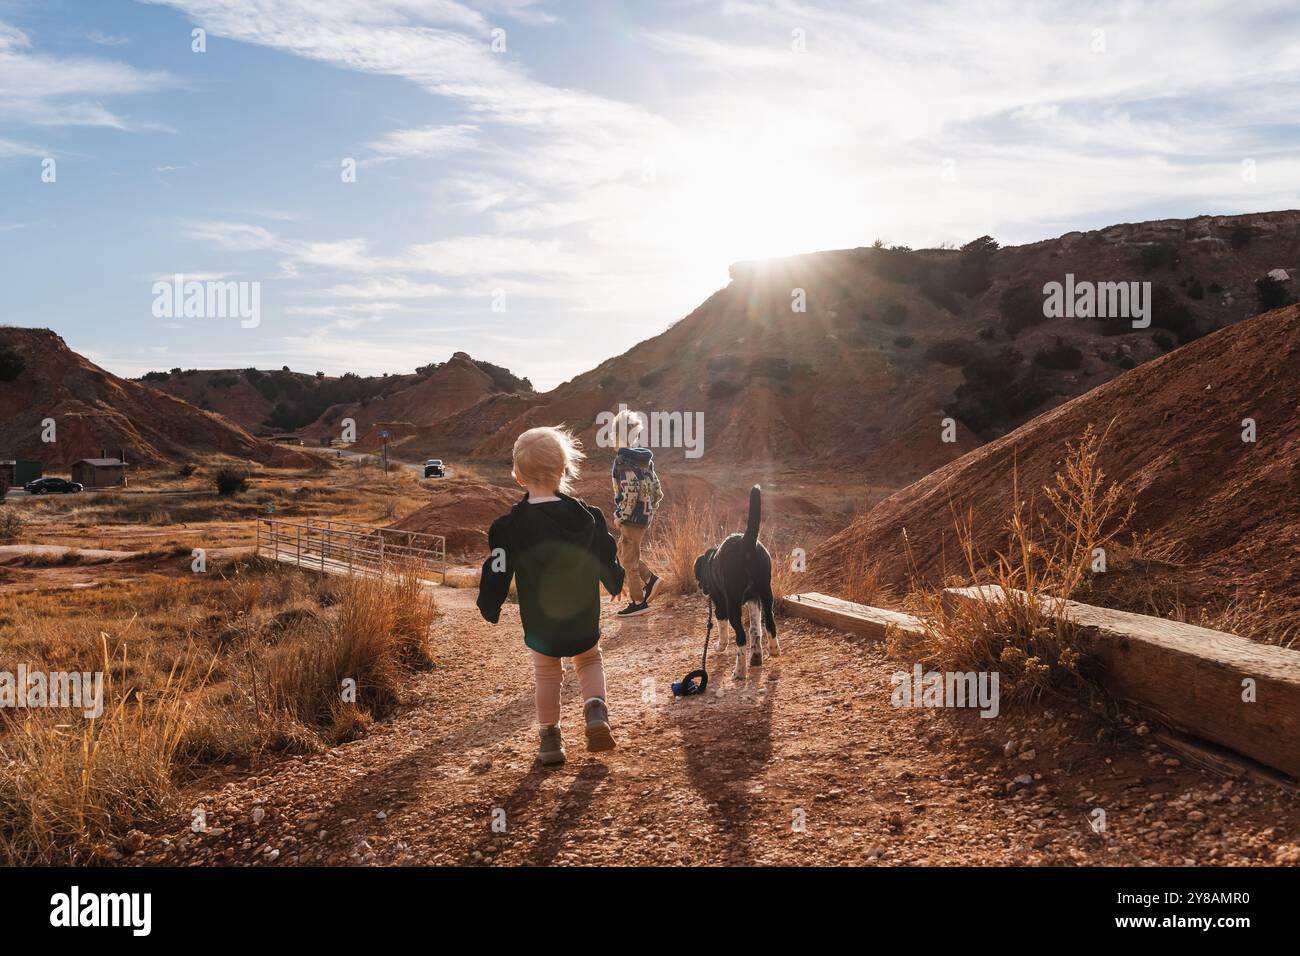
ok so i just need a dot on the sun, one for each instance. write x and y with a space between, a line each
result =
758 203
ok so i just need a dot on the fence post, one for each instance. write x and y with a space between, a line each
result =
298 539
258 549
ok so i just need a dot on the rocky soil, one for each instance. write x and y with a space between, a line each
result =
805 762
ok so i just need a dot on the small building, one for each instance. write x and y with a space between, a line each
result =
19 471
99 472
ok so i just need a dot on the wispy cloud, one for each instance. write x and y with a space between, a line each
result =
40 89
99 38
422 143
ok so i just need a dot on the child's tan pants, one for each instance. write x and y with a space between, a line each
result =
629 555
591 677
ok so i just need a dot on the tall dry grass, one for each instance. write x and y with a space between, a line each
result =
378 640
71 786
200 670
1048 555
692 528
681 536
1264 618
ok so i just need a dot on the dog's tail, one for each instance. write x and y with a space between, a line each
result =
755 517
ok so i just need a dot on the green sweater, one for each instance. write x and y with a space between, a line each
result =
559 553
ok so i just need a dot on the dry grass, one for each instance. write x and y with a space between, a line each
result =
200 669
56 559
12 523
355 671
861 581
70 786
682 536
1048 556
194 513
1264 618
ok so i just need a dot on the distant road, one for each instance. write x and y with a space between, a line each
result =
369 457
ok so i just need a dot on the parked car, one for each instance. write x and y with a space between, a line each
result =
433 468
54 486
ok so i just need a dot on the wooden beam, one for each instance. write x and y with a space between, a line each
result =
870 622
1194 678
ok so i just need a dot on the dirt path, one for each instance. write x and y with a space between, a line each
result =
806 762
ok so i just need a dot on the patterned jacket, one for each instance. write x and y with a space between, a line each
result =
637 491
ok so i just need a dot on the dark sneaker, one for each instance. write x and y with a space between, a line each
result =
552 750
598 733
633 609
650 586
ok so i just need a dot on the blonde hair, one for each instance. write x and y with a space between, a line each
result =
546 455
629 427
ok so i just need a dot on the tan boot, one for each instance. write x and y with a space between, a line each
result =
599 736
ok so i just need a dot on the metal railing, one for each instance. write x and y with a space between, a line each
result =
343 547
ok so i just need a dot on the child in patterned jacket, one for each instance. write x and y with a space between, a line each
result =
637 493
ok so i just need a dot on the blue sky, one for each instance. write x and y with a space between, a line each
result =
593 179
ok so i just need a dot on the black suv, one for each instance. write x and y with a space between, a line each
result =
47 486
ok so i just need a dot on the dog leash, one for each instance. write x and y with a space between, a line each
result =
696 681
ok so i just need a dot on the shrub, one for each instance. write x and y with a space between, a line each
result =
992 366
1171 313
1047 559
972 274
1240 236
1060 355
230 481
723 388
12 522
1270 294
898 264
895 314
651 378
503 380
379 639
782 369
1158 255
1214 287
951 352
996 391
904 341
1195 290
936 286
155 376
1021 307
1163 340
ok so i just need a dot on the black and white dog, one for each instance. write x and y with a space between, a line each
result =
738 573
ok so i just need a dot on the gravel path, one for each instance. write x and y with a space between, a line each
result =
806 762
